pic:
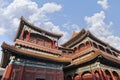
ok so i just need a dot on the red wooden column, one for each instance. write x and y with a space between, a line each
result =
90 43
28 36
84 45
104 74
22 33
78 49
22 72
97 46
55 75
53 44
113 78
56 44
62 75
7 73
101 75
93 74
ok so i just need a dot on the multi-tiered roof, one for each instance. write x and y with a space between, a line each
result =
87 48
81 48
28 45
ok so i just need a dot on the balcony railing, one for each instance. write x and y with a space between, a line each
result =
89 49
36 46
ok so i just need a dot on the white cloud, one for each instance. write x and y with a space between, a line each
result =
40 16
103 3
98 27
9 17
96 23
2 31
71 27
53 28
51 7
2 3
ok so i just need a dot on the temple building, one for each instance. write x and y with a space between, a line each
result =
36 55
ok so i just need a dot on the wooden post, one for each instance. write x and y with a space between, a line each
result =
53 44
28 36
55 75
93 74
90 43
113 78
62 75
97 46
22 72
22 33
101 76
104 74
8 71
4 74
56 44
84 45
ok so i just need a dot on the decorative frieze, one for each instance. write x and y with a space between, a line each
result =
24 62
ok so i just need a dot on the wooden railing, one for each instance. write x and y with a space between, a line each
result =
80 53
88 49
36 46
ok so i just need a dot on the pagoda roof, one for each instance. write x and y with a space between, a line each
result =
73 38
82 35
35 55
96 54
23 22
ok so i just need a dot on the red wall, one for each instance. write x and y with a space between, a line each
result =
31 73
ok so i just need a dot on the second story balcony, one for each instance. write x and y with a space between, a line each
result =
36 46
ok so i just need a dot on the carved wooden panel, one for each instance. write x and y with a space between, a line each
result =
32 40
40 41
47 44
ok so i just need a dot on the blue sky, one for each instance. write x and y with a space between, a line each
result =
101 17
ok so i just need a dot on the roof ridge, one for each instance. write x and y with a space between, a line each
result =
22 19
107 44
